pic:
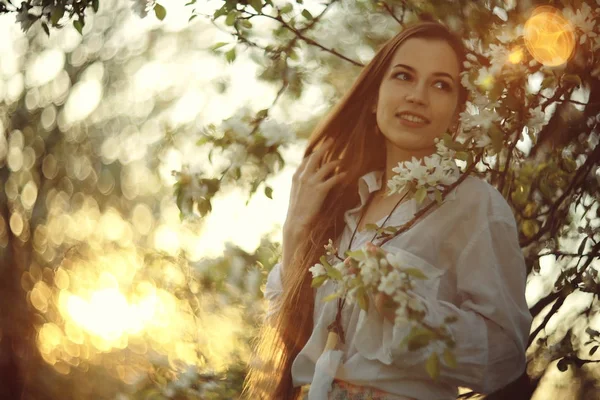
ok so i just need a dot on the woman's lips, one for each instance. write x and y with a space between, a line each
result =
411 124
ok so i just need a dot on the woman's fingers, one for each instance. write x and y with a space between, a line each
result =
326 170
317 156
331 182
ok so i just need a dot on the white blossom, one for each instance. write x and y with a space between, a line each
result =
237 154
537 119
464 80
482 140
394 259
484 118
498 56
275 132
237 126
390 283
485 78
482 101
141 7
583 19
317 270
340 266
369 271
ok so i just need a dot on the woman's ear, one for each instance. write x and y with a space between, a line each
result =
454 123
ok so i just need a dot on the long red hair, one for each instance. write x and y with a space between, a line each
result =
352 125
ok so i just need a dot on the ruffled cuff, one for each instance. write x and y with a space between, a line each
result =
273 290
377 338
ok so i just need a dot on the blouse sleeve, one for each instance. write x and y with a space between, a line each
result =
492 319
273 290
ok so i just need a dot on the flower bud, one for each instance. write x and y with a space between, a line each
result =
371 248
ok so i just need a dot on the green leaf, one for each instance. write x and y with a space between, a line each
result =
418 338
324 261
572 79
433 366
230 20
497 138
420 194
438 196
203 140
370 227
257 5
593 350
330 297
462 155
449 358
79 26
269 192
287 8
362 298
192 17
46 29
306 14
204 207
495 92
96 5
333 273
230 55
246 24
450 143
390 229
160 11
57 14
357 254
415 273
218 45
220 12
318 281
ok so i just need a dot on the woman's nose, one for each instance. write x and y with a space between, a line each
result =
417 96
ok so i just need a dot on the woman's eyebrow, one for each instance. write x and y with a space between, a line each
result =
435 73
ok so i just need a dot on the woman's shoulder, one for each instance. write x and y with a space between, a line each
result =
476 196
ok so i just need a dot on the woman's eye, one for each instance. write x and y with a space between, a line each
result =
444 85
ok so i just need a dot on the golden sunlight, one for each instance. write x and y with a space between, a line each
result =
516 55
549 36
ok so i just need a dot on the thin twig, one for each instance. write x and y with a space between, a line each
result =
390 10
581 173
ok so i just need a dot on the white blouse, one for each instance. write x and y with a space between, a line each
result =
469 249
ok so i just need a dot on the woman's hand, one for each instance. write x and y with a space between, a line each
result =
310 185
386 306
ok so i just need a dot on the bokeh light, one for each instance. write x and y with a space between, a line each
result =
549 37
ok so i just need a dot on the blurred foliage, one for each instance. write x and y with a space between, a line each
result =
86 212
57 13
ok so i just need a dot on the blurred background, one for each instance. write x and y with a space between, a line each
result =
146 163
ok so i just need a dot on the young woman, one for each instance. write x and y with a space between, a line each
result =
407 96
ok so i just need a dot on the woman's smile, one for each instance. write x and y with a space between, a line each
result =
411 121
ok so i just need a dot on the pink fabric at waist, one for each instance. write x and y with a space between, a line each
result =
342 390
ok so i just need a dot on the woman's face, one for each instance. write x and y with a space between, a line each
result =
422 78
